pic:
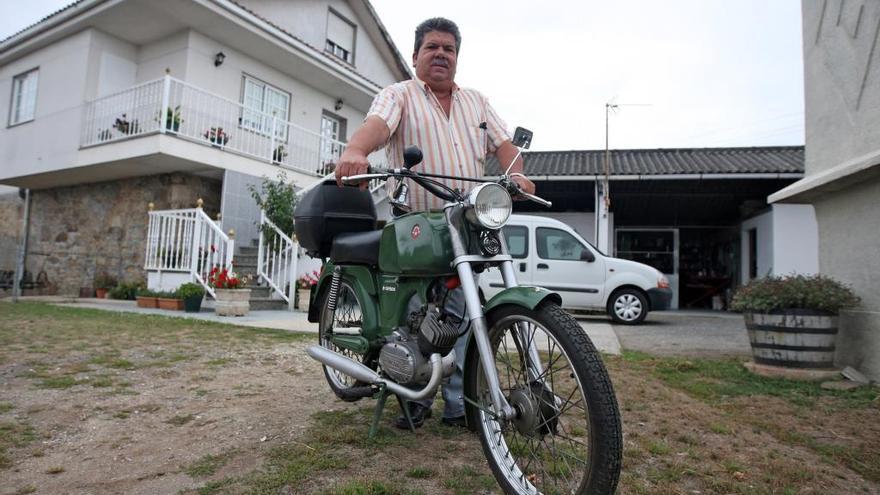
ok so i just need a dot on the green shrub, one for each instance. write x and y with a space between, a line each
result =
278 199
126 290
167 294
190 289
105 281
144 292
816 292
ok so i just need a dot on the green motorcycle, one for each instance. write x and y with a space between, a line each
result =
535 388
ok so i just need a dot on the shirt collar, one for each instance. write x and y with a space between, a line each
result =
427 89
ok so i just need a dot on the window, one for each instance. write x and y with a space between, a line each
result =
555 244
655 248
24 97
261 101
517 238
340 37
753 253
332 132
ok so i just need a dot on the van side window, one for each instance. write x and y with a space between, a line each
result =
555 244
517 238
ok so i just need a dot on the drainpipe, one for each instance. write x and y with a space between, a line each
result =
22 248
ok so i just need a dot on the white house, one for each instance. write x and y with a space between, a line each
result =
116 104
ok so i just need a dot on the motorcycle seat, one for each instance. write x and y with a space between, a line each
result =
359 248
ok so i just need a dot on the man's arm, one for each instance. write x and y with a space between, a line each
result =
504 154
369 137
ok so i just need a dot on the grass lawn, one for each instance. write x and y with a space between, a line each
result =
101 402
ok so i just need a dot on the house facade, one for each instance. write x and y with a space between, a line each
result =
115 105
842 181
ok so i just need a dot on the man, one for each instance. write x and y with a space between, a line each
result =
455 128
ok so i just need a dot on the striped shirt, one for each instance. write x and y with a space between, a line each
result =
456 145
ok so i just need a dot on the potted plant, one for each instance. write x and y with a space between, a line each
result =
279 154
172 118
126 291
232 298
217 136
169 300
792 320
125 127
192 295
304 286
147 299
103 283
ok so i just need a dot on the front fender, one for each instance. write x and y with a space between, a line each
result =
523 295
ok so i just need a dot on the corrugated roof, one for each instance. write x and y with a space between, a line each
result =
706 161
44 19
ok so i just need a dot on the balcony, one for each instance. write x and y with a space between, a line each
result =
174 108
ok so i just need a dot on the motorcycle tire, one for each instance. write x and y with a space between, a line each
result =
567 436
347 314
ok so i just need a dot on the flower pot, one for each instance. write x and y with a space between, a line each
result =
172 304
86 292
147 302
793 338
192 304
101 293
232 302
303 303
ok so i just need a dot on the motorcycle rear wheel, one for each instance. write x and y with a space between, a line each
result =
345 318
566 438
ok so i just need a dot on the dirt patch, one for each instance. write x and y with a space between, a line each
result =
100 404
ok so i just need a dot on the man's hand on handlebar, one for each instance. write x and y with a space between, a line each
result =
525 185
352 162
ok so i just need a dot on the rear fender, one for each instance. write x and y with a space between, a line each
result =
363 282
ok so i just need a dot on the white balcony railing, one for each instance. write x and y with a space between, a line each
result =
174 107
187 241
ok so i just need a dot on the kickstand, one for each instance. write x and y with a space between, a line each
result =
382 395
405 409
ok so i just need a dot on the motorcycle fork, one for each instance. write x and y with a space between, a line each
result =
475 312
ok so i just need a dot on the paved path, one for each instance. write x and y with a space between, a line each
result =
600 331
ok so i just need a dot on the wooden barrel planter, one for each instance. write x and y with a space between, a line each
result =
794 338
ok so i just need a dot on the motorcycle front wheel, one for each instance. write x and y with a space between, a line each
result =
566 437
345 318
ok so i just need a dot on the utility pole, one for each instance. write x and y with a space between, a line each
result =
604 244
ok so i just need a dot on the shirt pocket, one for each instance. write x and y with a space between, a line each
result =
478 141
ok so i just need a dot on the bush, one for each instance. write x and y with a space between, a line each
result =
126 291
165 294
278 199
190 289
817 292
144 292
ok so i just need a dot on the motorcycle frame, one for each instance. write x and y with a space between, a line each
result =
382 313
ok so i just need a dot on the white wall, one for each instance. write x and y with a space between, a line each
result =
51 140
308 21
764 225
306 103
795 240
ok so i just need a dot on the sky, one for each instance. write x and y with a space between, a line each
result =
685 73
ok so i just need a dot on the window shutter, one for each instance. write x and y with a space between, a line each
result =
340 32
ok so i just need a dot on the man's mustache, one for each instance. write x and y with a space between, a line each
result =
442 62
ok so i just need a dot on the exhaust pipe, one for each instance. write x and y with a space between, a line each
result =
440 367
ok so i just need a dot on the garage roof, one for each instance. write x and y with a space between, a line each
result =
705 161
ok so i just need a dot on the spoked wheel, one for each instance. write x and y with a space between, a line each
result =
566 437
346 319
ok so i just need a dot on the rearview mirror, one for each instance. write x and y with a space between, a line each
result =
522 138
587 255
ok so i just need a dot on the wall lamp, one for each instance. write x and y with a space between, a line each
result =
338 105
219 58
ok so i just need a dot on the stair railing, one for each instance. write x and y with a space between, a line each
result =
187 240
277 259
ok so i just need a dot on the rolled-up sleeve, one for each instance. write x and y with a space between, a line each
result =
388 106
496 129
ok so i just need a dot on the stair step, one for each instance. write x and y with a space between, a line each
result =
265 303
245 259
248 250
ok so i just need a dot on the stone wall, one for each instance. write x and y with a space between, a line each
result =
11 211
79 231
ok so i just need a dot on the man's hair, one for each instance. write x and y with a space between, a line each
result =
437 24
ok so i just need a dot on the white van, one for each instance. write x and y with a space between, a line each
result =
550 254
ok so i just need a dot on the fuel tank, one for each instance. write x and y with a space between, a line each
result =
416 244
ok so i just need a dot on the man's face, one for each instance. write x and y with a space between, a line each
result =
436 60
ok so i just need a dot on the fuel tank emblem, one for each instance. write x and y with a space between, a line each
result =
416 232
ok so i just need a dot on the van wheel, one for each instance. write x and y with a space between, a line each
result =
628 306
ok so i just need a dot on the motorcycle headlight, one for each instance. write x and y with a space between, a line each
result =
491 206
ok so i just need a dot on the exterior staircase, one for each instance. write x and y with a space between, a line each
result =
245 263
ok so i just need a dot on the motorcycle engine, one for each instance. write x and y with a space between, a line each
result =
404 357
